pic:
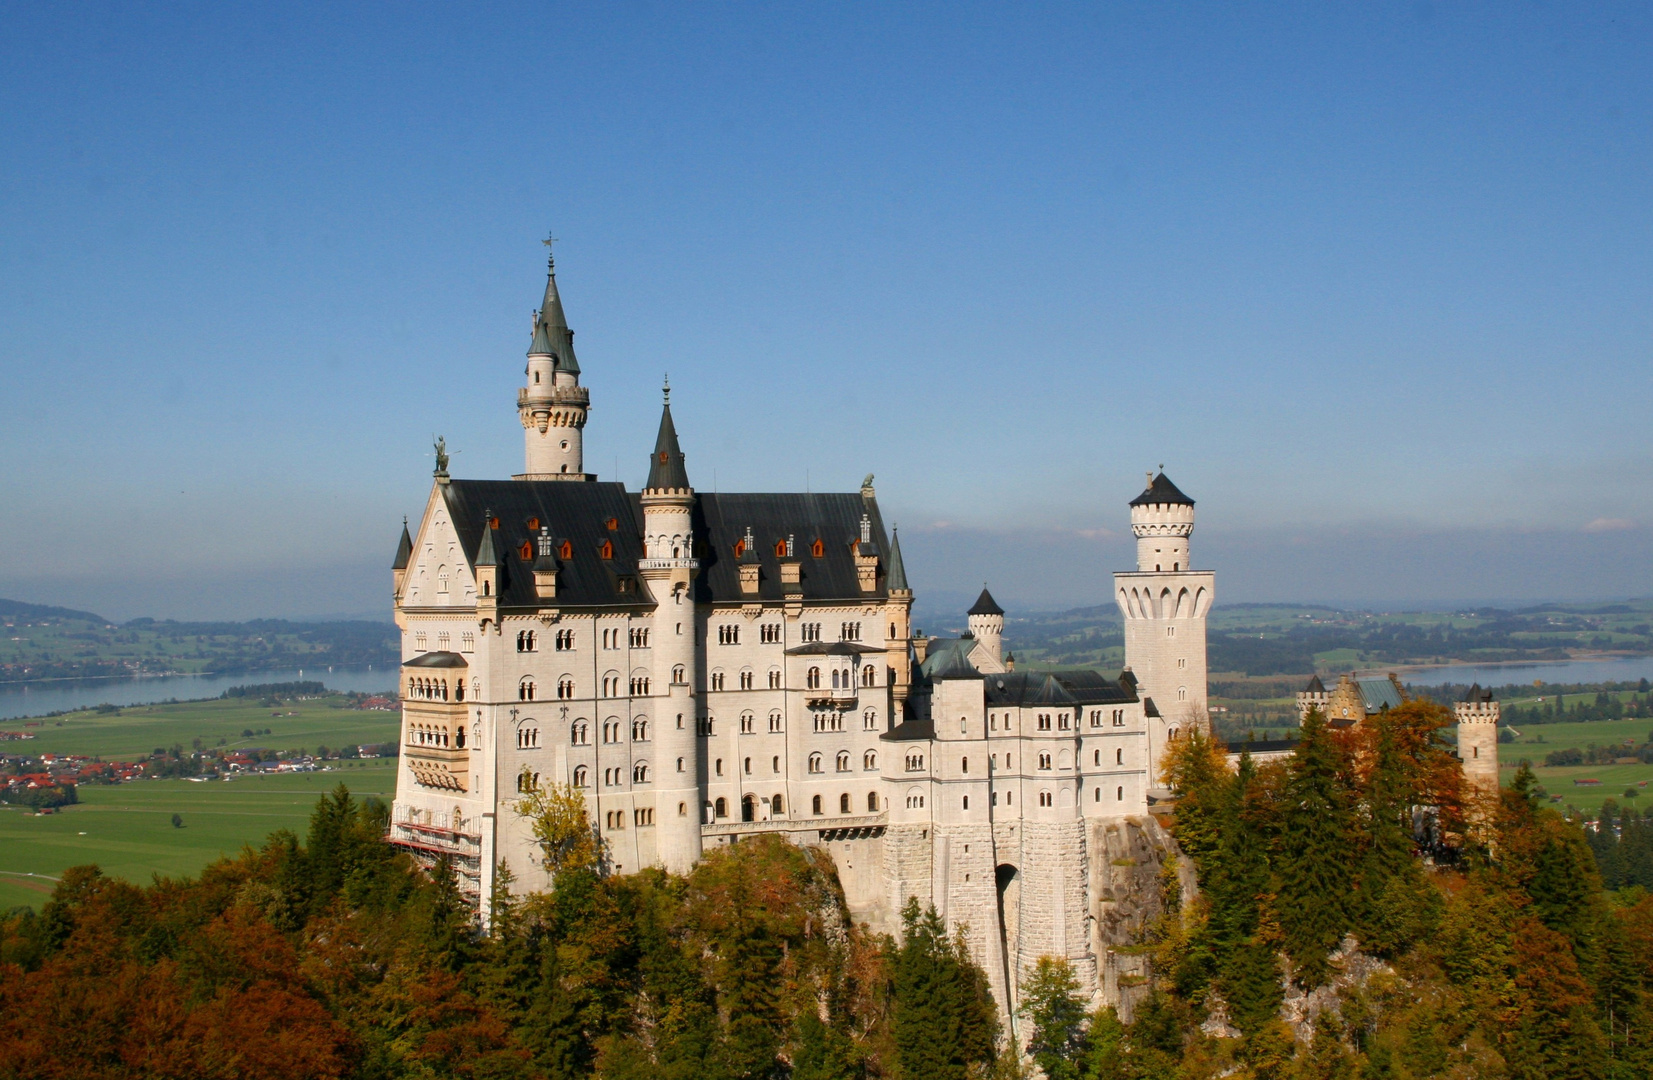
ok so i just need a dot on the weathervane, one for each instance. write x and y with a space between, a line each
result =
551 254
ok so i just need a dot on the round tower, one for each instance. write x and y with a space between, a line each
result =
553 404
1164 605
987 624
668 567
1478 716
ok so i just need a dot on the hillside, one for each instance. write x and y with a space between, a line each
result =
42 642
1290 639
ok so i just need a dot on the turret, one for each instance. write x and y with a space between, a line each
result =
1478 716
668 567
553 404
399 565
1162 519
987 624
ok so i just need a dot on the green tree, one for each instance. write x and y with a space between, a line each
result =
1050 1002
1316 839
942 1020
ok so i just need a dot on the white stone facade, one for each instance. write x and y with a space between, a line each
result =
707 667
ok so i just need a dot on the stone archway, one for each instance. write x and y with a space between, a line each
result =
1009 882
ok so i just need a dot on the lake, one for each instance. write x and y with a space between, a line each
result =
1616 669
39 698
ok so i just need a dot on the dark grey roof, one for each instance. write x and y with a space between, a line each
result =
666 471
552 337
1149 708
985 604
1066 687
940 651
721 520
897 577
952 664
912 728
576 512
1478 694
436 659
1161 490
404 549
1315 686
831 648
486 555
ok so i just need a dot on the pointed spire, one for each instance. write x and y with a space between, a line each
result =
985 604
897 576
552 337
404 550
485 555
666 471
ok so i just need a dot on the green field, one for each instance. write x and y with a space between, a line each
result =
1559 781
140 729
127 828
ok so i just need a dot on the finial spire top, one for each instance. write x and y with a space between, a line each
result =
550 253
666 387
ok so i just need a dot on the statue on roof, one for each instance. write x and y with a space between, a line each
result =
441 456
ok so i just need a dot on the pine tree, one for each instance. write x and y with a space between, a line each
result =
1394 904
1316 835
1050 1001
825 1051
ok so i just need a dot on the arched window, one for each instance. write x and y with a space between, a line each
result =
565 687
872 802
679 676
639 729
1121 794
1182 693
843 803
640 773
721 807
813 681
815 805
775 805
869 760
869 675
843 762
580 776
748 808
579 733
815 763
835 680
1044 761
525 689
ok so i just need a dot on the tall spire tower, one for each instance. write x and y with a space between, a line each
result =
553 405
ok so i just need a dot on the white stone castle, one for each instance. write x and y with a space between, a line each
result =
709 667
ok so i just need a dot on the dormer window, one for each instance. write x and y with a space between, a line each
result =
493 523
817 549
566 551
606 550
740 548
780 549
613 524
533 524
526 551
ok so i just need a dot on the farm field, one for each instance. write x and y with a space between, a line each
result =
127 828
140 729
1615 779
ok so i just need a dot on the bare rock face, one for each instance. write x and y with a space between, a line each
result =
1128 857
1353 968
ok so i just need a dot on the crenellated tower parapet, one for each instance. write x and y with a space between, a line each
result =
1478 716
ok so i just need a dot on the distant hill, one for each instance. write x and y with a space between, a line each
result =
45 642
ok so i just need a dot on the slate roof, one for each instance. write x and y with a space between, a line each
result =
952 664
579 513
666 471
1476 694
1378 694
1315 686
897 578
1068 686
552 337
404 549
437 660
1161 490
721 520
985 604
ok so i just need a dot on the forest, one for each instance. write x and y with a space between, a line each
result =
1359 916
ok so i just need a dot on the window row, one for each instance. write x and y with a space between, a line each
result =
817 762
436 736
428 689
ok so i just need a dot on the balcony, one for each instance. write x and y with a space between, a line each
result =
842 697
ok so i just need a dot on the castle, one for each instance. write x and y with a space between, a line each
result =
1355 698
708 667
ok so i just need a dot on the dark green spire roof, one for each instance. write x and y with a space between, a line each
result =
485 555
897 576
404 550
552 337
666 471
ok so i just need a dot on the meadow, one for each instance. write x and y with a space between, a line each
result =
127 828
1538 740
139 730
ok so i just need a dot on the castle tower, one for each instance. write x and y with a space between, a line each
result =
1165 604
986 620
553 405
1478 716
901 629
667 566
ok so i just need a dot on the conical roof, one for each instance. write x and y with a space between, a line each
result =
485 555
985 605
897 576
1315 686
404 550
666 471
1161 490
552 337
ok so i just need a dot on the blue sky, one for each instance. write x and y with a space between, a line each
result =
1372 281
